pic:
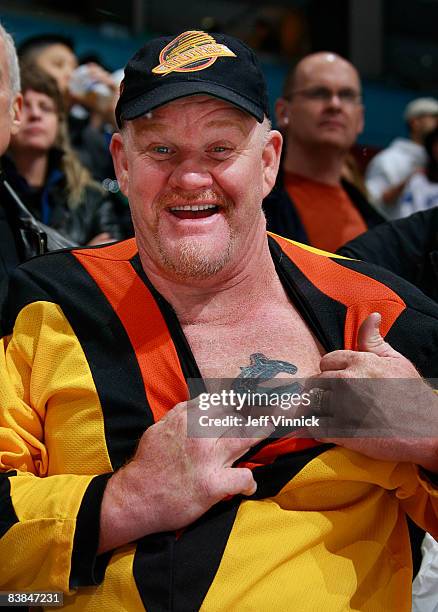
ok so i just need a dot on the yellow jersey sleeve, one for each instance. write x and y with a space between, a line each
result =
50 493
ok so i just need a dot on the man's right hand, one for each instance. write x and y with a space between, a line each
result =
172 479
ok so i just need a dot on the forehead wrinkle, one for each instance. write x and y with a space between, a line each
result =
150 125
224 123
143 127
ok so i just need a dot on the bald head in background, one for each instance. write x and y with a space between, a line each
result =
320 112
307 66
320 115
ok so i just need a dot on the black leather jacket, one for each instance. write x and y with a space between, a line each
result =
95 214
21 235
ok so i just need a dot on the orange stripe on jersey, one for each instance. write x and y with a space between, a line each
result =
357 313
140 316
118 251
361 294
269 453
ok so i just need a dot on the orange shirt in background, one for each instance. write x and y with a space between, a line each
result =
327 213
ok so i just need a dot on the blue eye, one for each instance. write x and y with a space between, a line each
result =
220 151
161 149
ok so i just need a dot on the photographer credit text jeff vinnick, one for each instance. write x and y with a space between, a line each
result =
266 400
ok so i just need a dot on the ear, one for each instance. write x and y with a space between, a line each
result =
16 111
120 162
271 160
282 113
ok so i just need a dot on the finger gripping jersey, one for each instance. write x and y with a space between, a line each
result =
97 356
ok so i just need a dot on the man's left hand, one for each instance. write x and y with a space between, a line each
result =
377 403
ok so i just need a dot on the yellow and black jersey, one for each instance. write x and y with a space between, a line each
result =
97 355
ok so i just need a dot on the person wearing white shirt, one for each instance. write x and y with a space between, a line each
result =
390 170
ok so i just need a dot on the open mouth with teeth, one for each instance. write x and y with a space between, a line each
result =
194 211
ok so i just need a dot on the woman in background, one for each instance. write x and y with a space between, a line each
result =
47 174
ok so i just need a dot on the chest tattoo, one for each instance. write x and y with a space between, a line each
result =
260 370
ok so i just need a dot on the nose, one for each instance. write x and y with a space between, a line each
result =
34 111
190 174
335 101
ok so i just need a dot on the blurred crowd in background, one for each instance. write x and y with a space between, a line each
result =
353 88
71 60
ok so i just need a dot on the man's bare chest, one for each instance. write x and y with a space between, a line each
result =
274 344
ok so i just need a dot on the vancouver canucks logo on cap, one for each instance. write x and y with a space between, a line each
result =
190 51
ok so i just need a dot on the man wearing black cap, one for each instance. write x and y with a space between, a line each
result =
104 494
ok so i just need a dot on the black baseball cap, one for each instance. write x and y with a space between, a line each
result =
193 62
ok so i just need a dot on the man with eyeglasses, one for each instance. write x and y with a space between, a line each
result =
321 115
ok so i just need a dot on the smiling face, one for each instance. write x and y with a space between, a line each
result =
195 173
322 106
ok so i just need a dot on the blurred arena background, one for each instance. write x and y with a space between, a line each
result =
393 43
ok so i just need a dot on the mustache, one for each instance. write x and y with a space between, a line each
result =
204 196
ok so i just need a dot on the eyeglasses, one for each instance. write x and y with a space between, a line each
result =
346 96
